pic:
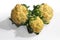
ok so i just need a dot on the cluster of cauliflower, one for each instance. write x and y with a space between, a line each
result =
35 19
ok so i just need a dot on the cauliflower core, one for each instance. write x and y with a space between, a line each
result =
36 24
19 14
46 12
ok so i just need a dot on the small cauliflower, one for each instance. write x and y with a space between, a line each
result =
19 14
36 24
44 11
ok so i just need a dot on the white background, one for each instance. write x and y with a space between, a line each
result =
11 32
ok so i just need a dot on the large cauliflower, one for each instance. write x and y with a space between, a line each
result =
44 11
19 14
36 24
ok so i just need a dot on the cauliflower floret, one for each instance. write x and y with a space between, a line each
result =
19 14
44 11
36 24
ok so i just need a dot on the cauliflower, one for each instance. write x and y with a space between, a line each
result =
19 14
44 11
33 19
36 24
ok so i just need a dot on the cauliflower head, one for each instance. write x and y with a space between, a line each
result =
19 14
36 24
44 11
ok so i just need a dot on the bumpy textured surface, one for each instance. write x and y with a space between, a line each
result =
46 12
35 19
36 24
19 14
